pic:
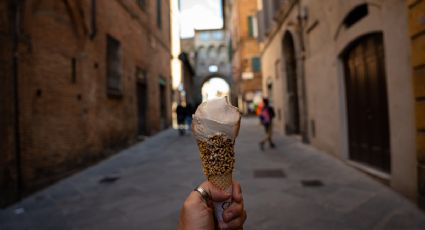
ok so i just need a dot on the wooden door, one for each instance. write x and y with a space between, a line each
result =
365 80
163 105
142 100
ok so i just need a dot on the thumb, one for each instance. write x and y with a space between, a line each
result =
217 195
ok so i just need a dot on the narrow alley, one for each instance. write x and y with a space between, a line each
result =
143 187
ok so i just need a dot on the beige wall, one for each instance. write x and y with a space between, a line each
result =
324 78
271 55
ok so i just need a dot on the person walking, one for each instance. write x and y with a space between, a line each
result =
266 117
181 118
189 112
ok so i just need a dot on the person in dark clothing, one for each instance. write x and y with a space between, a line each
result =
181 118
189 112
266 117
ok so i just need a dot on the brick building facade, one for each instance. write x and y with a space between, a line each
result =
241 24
80 79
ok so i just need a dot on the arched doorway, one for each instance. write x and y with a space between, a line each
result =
366 97
215 87
293 120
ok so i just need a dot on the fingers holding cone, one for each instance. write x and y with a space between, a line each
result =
235 215
216 194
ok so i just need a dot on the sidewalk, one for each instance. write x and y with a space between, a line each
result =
143 187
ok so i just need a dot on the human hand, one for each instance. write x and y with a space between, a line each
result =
235 215
197 214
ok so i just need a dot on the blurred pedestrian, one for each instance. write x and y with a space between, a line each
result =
198 211
258 109
266 117
181 118
189 112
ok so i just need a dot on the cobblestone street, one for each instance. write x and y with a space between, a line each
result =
143 187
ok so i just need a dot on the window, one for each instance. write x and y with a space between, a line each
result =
204 36
211 52
245 63
163 102
247 75
356 15
212 68
221 51
201 52
256 64
218 35
230 50
93 22
113 65
73 70
142 4
158 14
250 26
141 75
255 26
142 100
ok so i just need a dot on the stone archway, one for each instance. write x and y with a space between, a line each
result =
211 60
292 125
215 87
201 80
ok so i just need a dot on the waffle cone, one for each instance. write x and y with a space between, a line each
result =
221 181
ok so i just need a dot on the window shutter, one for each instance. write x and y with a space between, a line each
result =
256 64
114 68
230 50
250 26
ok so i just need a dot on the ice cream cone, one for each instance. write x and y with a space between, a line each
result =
223 182
215 126
217 158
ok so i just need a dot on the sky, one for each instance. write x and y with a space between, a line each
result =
199 14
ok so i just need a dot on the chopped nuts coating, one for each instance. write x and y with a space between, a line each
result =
217 155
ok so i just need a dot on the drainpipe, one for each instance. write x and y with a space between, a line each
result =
301 18
16 6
